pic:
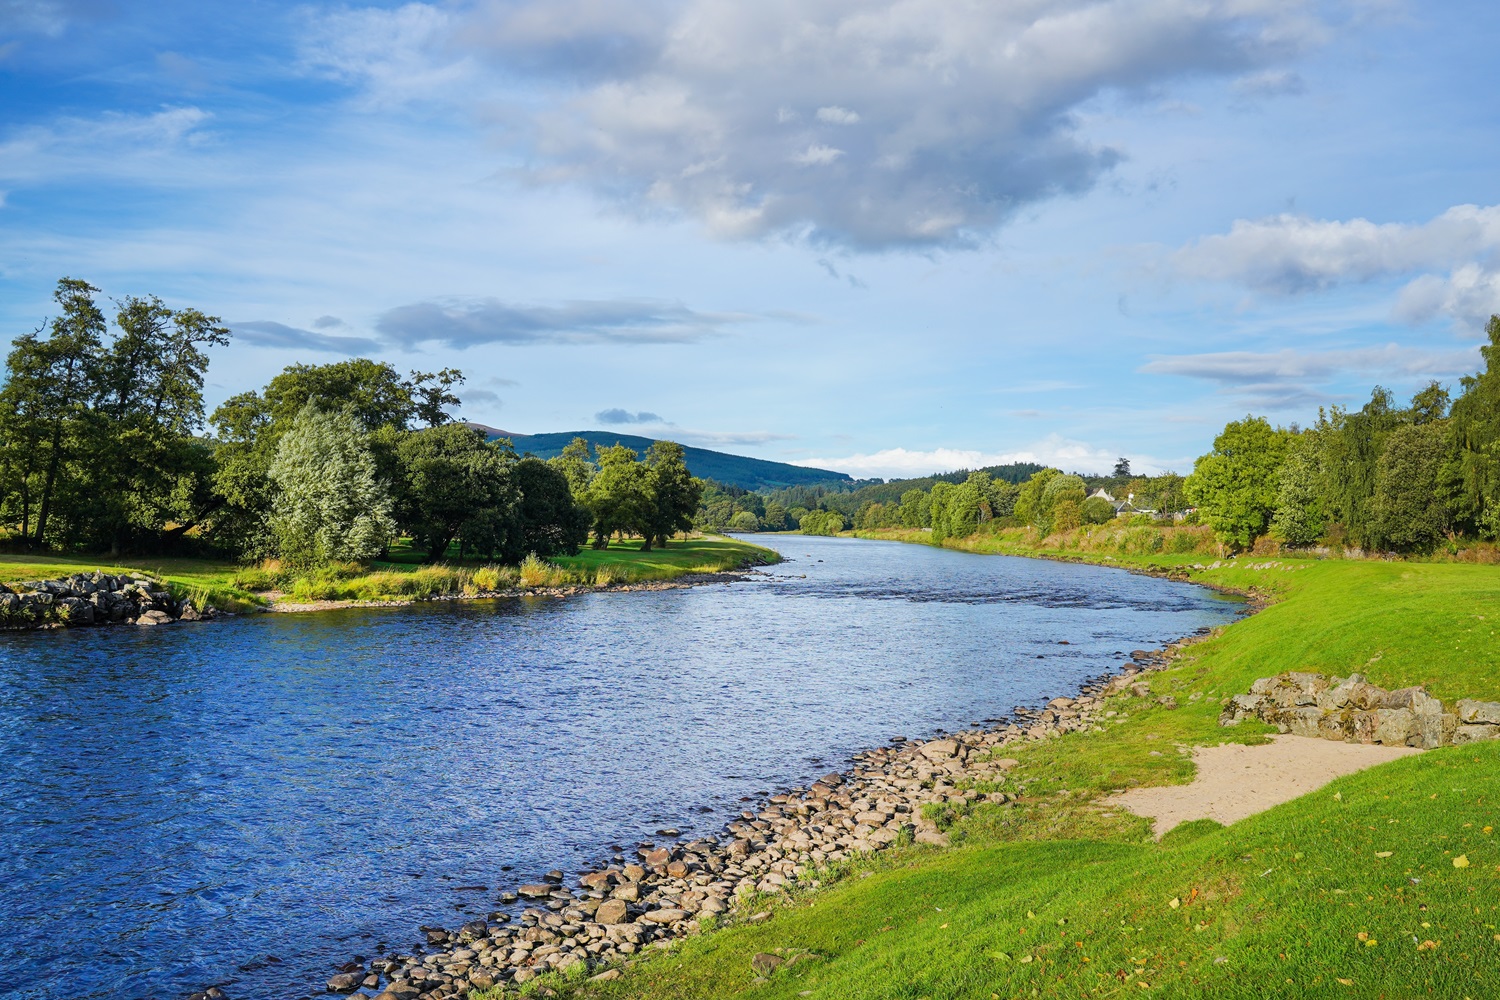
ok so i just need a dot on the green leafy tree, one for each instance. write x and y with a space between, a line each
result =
1300 518
1029 508
577 467
1097 510
552 523
452 478
939 501
674 491
328 504
1235 486
620 495
775 519
1475 431
744 521
1409 505
249 426
916 509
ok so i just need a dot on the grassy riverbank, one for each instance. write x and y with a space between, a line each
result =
1384 884
234 587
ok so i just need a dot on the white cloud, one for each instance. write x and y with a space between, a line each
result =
903 463
1290 254
468 323
949 115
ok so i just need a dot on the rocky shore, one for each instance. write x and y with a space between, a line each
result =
93 599
664 891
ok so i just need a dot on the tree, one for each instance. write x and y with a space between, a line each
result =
1029 508
1410 513
1122 468
1235 486
938 502
551 522
249 428
328 503
775 519
916 509
1097 510
675 493
1300 518
620 495
744 521
452 478
576 467
1475 431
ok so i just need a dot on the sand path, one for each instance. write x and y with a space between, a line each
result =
1235 781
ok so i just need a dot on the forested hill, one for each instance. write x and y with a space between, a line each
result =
735 470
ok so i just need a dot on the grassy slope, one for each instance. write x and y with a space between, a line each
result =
1271 906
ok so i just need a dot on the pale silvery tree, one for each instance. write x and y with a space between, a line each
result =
329 504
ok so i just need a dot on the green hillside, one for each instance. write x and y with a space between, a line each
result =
736 470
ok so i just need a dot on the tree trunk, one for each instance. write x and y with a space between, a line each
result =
53 460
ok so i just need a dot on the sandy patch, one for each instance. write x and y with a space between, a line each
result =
1235 781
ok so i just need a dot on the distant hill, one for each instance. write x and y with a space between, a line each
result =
734 470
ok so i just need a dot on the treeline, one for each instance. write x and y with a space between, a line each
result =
103 447
1381 478
735 509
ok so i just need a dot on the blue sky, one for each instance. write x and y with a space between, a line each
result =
887 237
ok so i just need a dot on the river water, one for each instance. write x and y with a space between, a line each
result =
250 802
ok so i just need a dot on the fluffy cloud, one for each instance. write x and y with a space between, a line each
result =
868 123
1289 254
619 416
469 323
902 463
265 333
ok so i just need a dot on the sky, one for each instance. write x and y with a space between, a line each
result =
887 237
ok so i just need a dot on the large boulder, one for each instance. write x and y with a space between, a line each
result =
1472 712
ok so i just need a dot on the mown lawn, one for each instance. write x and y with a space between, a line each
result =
1063 898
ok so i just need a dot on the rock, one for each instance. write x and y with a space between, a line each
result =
666 915
630 892
536 890
1167 701
153 618
1006 762
1303 721
612 911
940 750
606 976
1394 727
927 835
1471 712
633 873
482 979
344 982
764 963
190 613
1474 734
660 856
1140 689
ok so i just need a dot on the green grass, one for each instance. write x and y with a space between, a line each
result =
1270 906
204 581
234 587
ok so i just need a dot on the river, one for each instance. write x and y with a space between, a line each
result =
251 801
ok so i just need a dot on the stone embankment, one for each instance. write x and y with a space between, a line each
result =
892 795
1355 711
93 599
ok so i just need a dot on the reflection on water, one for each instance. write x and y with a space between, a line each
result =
252 801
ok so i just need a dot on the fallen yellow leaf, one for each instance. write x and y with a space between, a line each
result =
1346 982
1383 854
1428 945
1371 943
1363 935
1489 829
1462 861
1175 903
